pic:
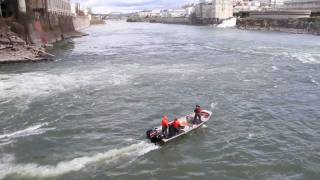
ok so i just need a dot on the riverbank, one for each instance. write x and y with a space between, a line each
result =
22 54
15 49
297 26
26 43
96 21
168 20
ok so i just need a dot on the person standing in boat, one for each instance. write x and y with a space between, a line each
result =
176 126
165 126
197 115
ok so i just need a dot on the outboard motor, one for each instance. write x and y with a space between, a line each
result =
154 135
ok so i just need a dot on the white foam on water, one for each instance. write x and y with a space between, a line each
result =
307 58
33 84
129 140
213 48
43 171
119 79
31 130
5 143
314 81
213 106
275 68
228 23
169 68
4 159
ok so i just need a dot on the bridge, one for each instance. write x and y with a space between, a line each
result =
110 16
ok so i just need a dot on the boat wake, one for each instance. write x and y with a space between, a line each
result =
31 130
213 106
314 81
9 168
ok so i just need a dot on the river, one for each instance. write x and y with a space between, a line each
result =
84 115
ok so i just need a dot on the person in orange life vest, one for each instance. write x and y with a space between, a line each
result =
176 126
197 116
165 126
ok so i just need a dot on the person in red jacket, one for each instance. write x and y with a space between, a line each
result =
165 126
176 126
197 116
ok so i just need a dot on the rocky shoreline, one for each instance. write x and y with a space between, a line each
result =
22 53
14 49
296 26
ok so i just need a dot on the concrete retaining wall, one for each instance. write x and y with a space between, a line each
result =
81 22
281 14
49 28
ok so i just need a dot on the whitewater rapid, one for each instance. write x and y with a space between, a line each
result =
228 23
8 167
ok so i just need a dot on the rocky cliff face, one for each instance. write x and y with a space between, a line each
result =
13 47
303 25
23 41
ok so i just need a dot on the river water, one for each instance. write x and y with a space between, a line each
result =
84 115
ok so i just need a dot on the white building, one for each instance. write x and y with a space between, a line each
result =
189 10
276 3
73 9
217 9
313 5
156 13
222 9
164 13
264 3
22 6
237 2
87 12
177 13
248 6
144 14
204 11
61 7
173 13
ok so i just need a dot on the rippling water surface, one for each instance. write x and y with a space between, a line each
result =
84 115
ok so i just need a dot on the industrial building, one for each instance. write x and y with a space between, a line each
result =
215 9
59 7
